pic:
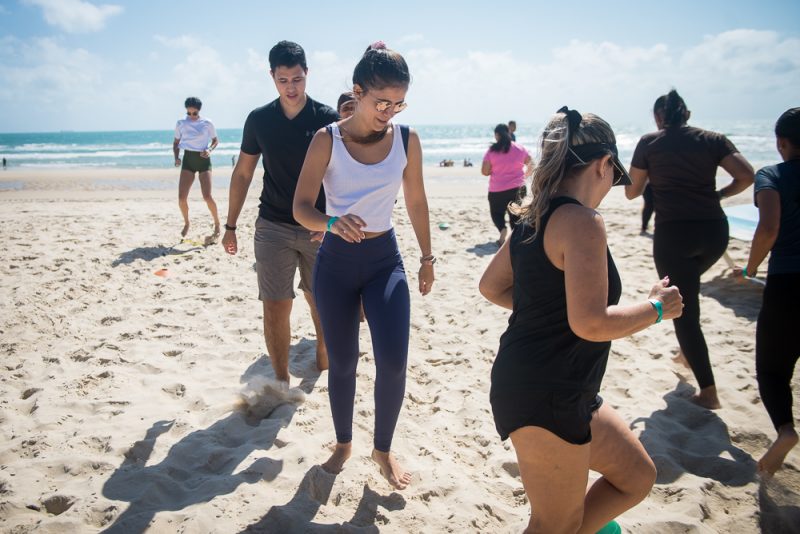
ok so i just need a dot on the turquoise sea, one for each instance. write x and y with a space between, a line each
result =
153 148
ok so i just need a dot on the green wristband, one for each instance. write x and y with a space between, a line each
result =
744 273
331 222
657 306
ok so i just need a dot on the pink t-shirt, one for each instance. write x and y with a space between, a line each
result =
507 168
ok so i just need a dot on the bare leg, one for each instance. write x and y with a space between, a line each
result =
628 472
185 184
205 187
774 457
340 455
322 350
502 238
278 335
391 469
554 474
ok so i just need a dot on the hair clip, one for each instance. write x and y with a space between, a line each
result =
573 118
378 45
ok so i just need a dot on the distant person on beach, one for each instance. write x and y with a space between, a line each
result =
557 276
362 162
777 195
512 128
280 133
4 163
346 104
505 164
233 161
193 135
680 163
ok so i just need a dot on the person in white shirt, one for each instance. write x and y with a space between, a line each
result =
193 134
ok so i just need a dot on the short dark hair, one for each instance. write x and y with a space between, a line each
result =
380 67
193 102
287 54
788 126
675 112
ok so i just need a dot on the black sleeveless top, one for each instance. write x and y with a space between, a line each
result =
539 350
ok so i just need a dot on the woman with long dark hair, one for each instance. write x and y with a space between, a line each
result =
680 163
362 161
504 164
557 275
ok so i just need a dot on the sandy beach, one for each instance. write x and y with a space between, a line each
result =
121 391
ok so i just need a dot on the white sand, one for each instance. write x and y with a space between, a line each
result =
118 386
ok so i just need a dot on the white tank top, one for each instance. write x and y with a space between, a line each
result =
368 191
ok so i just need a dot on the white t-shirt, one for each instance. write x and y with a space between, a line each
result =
195 135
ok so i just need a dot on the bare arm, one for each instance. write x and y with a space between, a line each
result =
769 223
417 206
740 170
486 168
528 163
497 282
310 182
240 182
177 151
638 183
576 241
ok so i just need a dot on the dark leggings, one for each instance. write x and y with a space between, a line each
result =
683 250
498 206
346 274
778 346
647 209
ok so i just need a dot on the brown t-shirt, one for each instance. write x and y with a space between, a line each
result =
681 165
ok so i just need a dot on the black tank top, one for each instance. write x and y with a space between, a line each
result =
539 350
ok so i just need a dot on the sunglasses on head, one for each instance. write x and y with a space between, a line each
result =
383 105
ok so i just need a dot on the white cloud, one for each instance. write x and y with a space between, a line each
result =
76 16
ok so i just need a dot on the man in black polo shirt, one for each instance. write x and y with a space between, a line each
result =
280 132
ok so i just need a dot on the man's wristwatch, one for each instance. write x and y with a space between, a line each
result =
230 228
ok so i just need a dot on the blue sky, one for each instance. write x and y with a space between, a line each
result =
79 65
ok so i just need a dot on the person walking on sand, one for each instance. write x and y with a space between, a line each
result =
680 163
505 164
557 276
777 195
280 133
362 161
193 135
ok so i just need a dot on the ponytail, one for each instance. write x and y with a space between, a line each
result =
504 143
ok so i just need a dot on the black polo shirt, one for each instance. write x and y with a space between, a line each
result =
283 143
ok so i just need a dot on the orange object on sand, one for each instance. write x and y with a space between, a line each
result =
162 273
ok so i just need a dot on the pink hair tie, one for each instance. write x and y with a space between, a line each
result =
378 45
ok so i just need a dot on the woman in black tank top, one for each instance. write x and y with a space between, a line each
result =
557 276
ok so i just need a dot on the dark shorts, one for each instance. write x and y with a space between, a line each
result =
280 249
567 414
194 162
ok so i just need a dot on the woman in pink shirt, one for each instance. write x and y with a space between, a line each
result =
504 164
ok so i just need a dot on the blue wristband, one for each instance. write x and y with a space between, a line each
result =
331 221
657 306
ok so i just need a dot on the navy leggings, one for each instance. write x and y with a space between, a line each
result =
683 250
777 346
345 275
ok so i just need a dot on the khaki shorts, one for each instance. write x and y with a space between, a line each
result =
280 248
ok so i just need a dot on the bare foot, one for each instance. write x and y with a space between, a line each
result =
680 359
185 230
707 398
773 459
502 238
340 455
322 357
391 469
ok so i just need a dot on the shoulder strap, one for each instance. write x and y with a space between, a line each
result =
404 134
329 129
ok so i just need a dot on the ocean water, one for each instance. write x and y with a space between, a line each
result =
153 149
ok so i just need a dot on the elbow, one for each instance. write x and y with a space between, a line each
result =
488 290
630 194
590 330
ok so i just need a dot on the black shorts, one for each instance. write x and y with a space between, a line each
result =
194 162
567 414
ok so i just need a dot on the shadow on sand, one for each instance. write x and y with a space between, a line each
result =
152 253
685 438
742 296
200 466
314 491
489 248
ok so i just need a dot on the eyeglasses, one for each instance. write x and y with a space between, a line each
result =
193 113
383 105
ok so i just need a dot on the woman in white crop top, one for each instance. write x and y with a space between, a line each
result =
362 161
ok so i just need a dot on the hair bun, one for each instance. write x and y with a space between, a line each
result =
378 45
